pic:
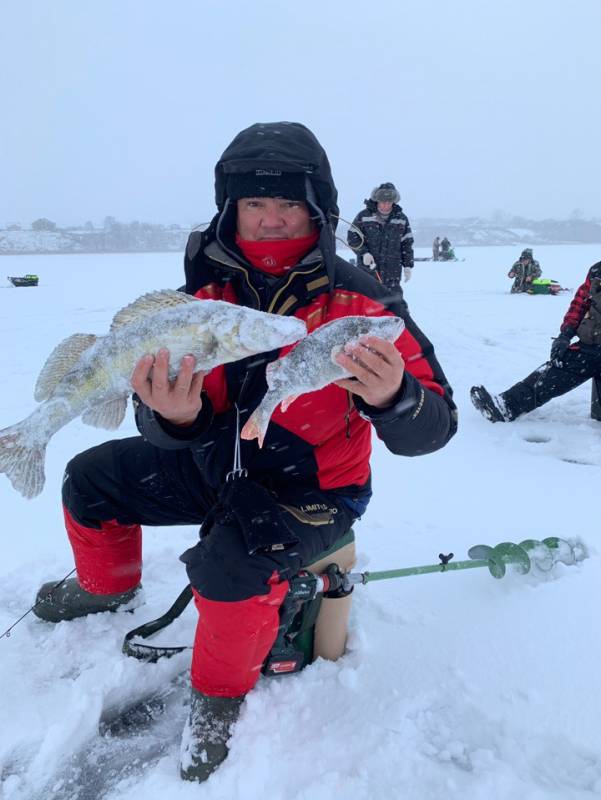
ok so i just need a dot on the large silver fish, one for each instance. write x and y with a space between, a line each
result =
311 366
89 376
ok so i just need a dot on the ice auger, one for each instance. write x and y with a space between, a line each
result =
292 649
531 553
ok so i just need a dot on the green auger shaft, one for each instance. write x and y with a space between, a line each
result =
386 574
543 554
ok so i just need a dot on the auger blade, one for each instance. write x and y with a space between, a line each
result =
539 553
515 555
501 555
564 551
579 550
480 552
483 552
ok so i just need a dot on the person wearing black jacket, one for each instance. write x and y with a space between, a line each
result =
569 365
265 512
382 239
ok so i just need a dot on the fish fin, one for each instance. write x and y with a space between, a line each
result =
149 304
106 415
22 464
287 401
258 422
63 358
251 429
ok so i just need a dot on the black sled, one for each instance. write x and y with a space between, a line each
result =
23 280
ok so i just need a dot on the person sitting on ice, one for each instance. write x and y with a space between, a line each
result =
271 247
569 365
446 250
524 271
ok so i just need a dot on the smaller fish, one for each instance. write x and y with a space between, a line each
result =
311 366
90 376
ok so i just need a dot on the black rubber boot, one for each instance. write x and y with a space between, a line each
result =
69 601
204 742
489 406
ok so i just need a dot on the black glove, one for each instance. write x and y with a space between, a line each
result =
559 348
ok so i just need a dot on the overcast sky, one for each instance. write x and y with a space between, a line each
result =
122 107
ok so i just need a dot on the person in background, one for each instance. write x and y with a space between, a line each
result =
568 366
445 250
524 271
266 512
436 248
382 239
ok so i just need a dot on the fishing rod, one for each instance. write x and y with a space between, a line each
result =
48 596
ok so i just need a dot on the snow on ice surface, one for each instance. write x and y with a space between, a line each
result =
454 686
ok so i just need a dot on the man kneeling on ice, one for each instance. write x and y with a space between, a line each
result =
266 512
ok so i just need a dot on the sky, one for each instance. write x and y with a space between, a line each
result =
454 686
123 108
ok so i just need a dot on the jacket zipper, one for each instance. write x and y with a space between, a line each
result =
279 291
245 272
285 286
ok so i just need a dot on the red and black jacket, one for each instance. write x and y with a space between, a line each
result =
581 302
324 438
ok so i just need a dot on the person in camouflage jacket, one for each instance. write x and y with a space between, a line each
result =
524 271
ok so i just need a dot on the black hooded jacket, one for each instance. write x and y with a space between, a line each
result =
325 441
290 147
390 241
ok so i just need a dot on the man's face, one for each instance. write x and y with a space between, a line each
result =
261 218
384 206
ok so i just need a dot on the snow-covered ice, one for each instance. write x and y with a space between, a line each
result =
454 686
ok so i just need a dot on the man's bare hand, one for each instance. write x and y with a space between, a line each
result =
377 368
177 401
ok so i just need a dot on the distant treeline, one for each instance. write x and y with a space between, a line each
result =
507 230
44 236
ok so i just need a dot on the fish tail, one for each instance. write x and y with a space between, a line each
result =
22 459
256 425
252 429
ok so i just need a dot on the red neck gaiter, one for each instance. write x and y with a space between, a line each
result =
276 256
